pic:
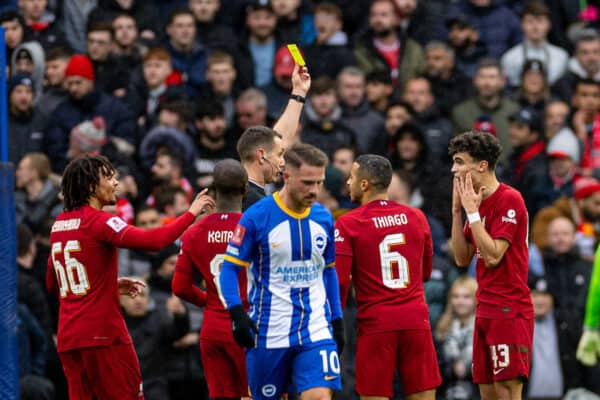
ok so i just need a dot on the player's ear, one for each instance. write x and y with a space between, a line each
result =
483 166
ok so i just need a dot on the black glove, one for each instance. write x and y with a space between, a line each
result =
242 326
338 334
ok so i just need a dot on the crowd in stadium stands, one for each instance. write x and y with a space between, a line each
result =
165 88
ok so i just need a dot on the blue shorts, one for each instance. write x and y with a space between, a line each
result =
270 371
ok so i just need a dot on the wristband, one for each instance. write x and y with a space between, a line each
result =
473 217
298 98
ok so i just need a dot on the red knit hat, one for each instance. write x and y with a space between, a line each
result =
585 187
80 65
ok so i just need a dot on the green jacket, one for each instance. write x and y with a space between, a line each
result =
411 59
466 113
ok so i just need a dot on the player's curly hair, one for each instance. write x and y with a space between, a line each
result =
481 146
81 178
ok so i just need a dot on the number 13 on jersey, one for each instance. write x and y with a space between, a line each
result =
394 266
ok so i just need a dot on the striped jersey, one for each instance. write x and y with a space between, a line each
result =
285 254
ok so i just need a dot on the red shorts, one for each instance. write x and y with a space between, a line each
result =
103 373
411 351
501 349
225 369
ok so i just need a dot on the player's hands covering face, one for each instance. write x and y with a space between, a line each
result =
469 198
130 286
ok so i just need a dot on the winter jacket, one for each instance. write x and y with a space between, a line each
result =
32 343
411 59
34 213
326 133
192 65
526 167
153 335
466 113
37 55
74 16
564 88
367 126
449 92
25 134
438 132
32 294
327 59
47 32
120 122
498 26
146 16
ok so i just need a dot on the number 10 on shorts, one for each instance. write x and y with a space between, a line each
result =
331 362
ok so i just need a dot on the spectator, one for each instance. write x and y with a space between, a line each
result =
145 96
429 183
563 153
74 18
220 84
26 125
366 123
554 369
15 31
527 164
323 126
584 121
30 292
585 64
417 20
126 46
211 33
212 141
139 262
497 25
396 115
28 58
145 14
33 354
250 110
464 38
54 90
448 83
168 169
187 55
330 52
555 117
489 100
294 25
42 23
379 90
85 102
111 76
153 330
437 129
583 210
278 90
36 198
259 45
566 272
383 47
535 22
534 91
183 367
455 332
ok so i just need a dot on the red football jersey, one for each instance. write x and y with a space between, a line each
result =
503 290
202 248
83 261
391 249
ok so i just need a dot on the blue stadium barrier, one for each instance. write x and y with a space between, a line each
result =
9 374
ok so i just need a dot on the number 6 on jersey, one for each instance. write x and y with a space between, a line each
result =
392 261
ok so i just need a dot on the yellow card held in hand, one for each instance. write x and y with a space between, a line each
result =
296 55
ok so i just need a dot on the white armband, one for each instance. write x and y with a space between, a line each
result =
473 217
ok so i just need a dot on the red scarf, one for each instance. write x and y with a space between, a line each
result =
529 153
38 26
591 153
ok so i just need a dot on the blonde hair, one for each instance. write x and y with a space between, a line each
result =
445 320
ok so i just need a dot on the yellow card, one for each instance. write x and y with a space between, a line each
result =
296 55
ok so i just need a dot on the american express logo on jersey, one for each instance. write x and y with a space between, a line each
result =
298 274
